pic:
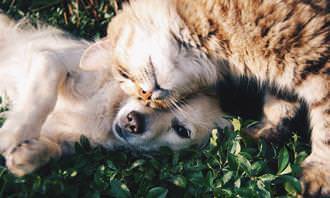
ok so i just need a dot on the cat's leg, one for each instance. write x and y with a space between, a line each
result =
316 168
276 120
36 100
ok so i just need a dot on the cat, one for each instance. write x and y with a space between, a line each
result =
166 50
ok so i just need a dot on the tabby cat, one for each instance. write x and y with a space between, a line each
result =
165 50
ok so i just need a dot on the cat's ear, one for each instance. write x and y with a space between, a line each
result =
97 56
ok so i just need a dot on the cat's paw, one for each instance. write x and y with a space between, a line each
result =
29 155
315 179
269 132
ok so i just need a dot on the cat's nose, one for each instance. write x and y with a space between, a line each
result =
134 122
146 94
154 94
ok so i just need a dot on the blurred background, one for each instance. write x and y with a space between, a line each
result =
84 18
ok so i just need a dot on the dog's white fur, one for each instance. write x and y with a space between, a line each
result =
53 102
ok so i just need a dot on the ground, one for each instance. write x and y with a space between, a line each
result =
232 165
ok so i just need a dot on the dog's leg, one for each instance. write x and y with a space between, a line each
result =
29 155
36 100
275 123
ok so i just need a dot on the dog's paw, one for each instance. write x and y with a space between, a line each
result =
315 179
29 155
7 140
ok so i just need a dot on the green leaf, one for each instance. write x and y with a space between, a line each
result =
158 192
244 163
227 177
262 147
301 157
267 177
237 183
232 162
250 123
283 160
119 189
111 165
262 191
210 178
214 137
287 170
74 173
197 178
227 192
179 181
236 148
135 164
258 167
291 184
237 124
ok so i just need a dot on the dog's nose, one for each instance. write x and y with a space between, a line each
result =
134 122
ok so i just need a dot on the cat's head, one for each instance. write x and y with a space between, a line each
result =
154 57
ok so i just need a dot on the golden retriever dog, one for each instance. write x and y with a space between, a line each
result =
53 102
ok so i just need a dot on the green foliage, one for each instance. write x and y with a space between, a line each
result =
230 166
84 18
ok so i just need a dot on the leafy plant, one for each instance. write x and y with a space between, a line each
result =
230 166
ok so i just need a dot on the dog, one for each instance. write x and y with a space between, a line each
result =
53 102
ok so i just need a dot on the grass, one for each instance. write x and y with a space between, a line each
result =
230 166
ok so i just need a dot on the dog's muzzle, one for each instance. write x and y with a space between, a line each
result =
132 125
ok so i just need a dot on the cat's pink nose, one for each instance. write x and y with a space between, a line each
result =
146 95
154 94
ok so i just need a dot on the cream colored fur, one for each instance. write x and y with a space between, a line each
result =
53 102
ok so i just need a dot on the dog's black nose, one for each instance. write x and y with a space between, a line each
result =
134 122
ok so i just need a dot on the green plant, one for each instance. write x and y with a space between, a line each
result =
230 166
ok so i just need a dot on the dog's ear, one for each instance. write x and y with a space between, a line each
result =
97 56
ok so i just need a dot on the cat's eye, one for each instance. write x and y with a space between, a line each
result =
123 74
180 129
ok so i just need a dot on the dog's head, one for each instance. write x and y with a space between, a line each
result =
142 128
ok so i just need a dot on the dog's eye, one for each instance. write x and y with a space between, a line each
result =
180 129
